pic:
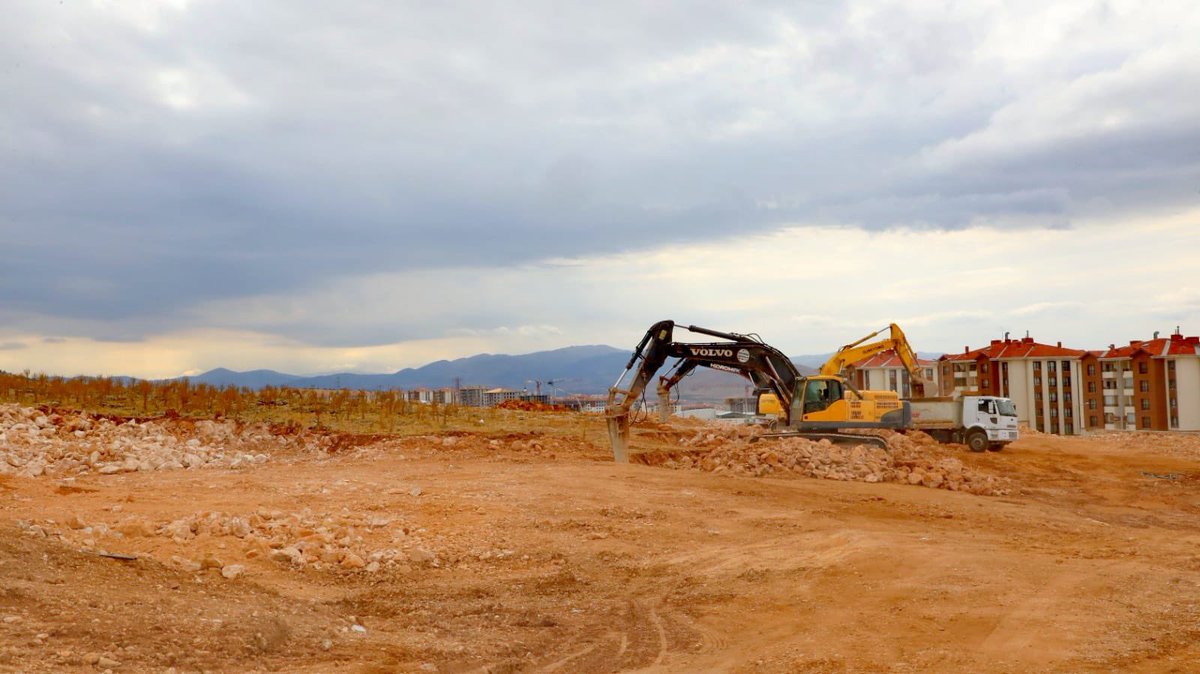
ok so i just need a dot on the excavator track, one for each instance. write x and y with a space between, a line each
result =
837 438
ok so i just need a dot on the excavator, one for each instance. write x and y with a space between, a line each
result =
815 406
854 352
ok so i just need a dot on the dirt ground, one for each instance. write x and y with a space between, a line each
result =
521 547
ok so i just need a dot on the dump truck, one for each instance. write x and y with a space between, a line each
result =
979 422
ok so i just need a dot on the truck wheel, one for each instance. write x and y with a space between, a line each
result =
977 441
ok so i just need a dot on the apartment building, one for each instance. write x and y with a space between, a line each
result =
886 372
1146 385
1043 380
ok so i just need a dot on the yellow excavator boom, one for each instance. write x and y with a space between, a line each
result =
863 348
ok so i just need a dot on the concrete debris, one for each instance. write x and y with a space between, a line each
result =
914 459
35 444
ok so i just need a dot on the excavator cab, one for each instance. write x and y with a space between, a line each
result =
819 394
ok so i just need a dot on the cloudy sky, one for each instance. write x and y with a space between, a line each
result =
365 186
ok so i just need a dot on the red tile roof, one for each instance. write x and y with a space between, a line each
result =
1017 348
1175 345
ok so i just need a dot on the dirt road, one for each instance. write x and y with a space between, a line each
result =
507 551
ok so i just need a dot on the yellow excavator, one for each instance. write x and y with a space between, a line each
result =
815 406
768 404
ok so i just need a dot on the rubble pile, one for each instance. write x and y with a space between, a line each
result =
34 443
531 406
1185 445
346 541
914 459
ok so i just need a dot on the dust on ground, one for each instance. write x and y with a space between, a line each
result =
216 546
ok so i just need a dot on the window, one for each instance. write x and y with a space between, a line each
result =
1108 383
1091 387
1068 428
1145 422
985 367
1053 397
1054 427
1037 395
1054 412
1067 380
1037 366
1066 366
1174 422
1110 401
1110 418
1053 381
1108 367
1144 386
1171 366
929 374
985 383
1092 421
1091 403
1067 412
1067 397
1143 367
1051 366
1174 403
1145 403
1091 369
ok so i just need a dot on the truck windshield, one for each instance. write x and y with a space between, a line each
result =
1006 408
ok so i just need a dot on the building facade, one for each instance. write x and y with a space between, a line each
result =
1147 385
886 372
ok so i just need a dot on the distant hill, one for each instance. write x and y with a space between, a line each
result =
573 369
578 369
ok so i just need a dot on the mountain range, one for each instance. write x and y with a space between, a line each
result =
573 369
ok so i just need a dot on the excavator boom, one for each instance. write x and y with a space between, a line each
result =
895 341
746 355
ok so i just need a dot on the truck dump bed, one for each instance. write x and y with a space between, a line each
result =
931 413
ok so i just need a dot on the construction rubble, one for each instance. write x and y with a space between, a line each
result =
912 458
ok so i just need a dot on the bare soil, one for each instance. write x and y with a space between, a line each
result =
521 547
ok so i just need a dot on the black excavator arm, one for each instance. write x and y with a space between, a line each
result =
762 364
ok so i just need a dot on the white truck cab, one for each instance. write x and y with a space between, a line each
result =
979 422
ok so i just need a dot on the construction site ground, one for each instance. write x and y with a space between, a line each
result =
518 545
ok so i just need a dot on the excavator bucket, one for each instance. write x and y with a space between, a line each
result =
618 435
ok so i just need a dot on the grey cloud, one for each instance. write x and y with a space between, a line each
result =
242 149
13 346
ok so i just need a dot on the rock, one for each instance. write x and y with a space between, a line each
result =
106 662
76 522
326 644
421 556
352 561
232 571
210 562
373 567
185 564
415 491
915 477
358 628
289 554
180 530
110 469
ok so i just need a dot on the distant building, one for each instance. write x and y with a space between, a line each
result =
1042 380
1148 385
886 372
